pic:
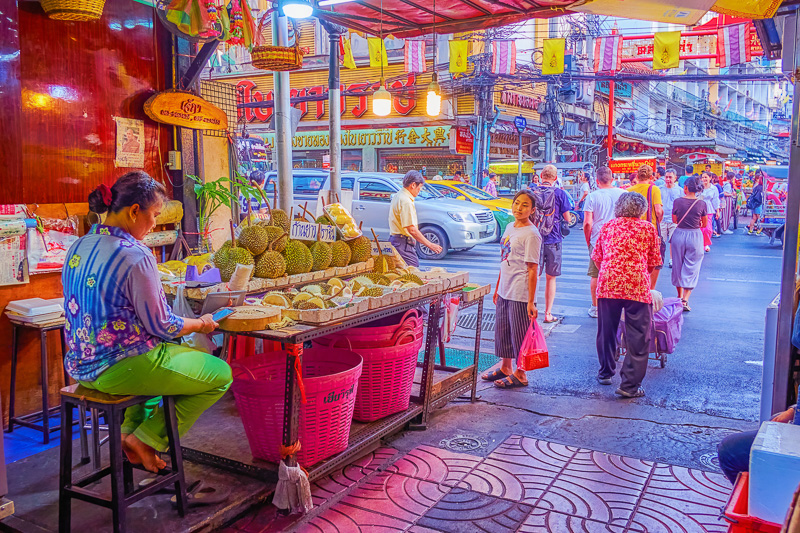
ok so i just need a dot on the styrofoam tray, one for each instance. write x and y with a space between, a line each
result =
35 307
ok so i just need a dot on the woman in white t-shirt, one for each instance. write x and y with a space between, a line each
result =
515 293
711 196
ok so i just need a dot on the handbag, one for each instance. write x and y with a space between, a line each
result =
687 212
533 352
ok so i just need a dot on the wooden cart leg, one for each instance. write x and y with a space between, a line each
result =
291 410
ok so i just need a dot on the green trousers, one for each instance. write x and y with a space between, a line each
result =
196 380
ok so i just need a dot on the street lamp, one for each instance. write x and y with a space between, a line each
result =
434 103
382 100
296 9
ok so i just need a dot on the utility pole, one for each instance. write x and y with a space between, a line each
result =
611 88
550 102
283 125
334 110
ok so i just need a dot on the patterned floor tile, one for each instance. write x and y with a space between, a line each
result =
598 486
534 452
263 519
543 521
325 488
395 495
344 518
682 500
462 511
435 464
512 481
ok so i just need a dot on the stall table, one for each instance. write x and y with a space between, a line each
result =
430 393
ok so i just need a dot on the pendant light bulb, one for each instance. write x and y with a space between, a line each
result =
382 100
296 9
434 102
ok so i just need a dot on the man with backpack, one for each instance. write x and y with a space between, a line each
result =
553 206
755 202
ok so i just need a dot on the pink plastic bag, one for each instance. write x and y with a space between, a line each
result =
533 353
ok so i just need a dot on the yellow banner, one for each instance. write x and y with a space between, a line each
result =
553 56
749 9
377 52
511 168
349 62
666 50
459 51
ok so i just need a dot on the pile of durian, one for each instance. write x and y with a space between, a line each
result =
327 295
171 270
266 245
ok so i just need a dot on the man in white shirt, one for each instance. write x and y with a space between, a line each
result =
670 192
597 210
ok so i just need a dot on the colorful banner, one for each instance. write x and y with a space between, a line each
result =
347 53
415 56
553 61
625 166
666 50
377 53
733 45
459 51
608 53
748 9
504 57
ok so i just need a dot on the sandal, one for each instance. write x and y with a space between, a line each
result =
509 382
553 319
204 494
686 307
494 375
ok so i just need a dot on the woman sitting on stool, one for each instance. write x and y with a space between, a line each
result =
118 322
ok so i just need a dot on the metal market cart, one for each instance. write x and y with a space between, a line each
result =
437 384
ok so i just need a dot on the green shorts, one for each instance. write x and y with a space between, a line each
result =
594 270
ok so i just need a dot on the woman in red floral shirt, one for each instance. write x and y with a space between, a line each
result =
627 250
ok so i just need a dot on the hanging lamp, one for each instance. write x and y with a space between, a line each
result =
296 9
434 101
382 99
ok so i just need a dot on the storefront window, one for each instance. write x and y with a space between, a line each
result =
434 160
351 159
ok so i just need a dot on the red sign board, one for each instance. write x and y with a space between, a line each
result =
627 166
461 141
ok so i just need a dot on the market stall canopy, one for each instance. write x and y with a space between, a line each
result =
411 18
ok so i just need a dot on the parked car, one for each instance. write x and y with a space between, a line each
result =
452 224
457 190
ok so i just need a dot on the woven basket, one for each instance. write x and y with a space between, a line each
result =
74 10
277 58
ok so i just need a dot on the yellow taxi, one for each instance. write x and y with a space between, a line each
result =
500 207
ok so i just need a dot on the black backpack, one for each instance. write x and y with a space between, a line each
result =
755 199
545 218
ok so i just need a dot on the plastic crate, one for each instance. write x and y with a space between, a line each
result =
736 511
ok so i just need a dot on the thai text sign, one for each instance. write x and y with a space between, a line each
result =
622 89
624 166
383 138
690 45
461 141
186 110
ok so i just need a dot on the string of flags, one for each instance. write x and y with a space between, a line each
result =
733 47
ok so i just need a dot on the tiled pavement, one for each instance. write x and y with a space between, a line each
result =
525 485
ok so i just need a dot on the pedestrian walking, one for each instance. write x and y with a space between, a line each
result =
755 202
661 174
515 292
627 250
554 206
669 193
403 226
654 213
688 173
584 190
491 185
710 195
598 209
690 214
484 178
728 204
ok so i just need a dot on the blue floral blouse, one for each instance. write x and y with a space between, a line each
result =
114 303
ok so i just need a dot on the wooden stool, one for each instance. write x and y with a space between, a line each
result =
46 411
122 490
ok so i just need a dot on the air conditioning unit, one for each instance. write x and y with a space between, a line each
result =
571 129
688 114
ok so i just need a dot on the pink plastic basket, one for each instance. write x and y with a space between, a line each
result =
330 376
377 336
387 377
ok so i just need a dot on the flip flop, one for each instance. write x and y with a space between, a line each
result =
494 375
554 319
509 382
204 494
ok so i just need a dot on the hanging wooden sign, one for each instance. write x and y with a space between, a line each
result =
186 110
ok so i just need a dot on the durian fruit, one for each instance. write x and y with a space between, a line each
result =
298 258
336 283
312 289
340 254
300 298
362 280
277 237
254 239
323 219
226 244
312 303
280 219
378 279
277 298
391 276
322 255
413 278
226 260
361 249
270 264
371 292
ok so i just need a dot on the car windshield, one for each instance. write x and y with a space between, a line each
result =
426 193
474 191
